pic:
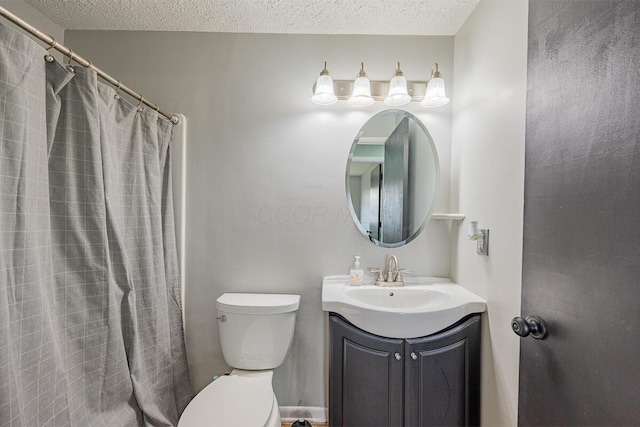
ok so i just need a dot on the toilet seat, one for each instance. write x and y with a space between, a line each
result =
224 402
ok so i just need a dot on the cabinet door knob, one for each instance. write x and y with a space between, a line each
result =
414 356
397 356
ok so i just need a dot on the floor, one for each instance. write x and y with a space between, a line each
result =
313 424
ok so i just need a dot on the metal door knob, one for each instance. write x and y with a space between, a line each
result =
532 325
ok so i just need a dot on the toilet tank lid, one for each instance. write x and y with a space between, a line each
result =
258 303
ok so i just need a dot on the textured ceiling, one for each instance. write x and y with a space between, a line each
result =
399 17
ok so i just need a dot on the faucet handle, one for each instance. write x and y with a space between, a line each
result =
379 276
399 274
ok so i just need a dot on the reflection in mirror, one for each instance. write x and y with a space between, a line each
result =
392 178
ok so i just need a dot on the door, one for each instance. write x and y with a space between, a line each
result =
581 253
394 200
365 387
374 203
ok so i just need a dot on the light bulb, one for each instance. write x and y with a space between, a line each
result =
324 94
361 94
436 95
398 94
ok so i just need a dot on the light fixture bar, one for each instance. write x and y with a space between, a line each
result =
379 89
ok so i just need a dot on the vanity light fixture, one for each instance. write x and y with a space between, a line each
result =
361 94
323 93
481 236
397 92
436 95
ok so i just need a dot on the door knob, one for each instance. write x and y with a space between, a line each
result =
532 325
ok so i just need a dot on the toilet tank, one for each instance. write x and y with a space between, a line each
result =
256 330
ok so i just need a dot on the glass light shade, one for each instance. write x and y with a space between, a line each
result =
435 95
361 95
324 91
398 94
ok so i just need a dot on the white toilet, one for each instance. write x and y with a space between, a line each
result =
256 331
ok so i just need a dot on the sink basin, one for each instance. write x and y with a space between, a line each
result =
397 298
423 306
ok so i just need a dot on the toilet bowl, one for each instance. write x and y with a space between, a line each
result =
256 331
242 398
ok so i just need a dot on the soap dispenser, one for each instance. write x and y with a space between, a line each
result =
356 273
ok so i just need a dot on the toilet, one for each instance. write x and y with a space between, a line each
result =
256 331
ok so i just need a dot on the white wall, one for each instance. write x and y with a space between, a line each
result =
266 204
487 184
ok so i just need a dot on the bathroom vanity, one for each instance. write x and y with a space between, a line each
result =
404 351
403 356
427 381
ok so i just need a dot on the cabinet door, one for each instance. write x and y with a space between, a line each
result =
442 377
365 377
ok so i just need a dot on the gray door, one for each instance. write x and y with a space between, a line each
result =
394 211
581 254
374 203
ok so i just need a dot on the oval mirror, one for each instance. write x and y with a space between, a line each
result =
392 178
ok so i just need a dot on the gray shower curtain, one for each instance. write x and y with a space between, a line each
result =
90 310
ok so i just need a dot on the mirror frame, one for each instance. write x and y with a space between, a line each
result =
431 209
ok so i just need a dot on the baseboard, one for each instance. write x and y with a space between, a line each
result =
313 414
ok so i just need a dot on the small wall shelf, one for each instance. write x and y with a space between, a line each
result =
448 216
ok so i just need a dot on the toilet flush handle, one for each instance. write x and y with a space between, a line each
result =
222 318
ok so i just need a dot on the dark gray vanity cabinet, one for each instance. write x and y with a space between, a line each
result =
365 377
428 381
442 377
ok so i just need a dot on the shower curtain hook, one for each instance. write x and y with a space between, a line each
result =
89 65
69 66
53 44
117 95
140 108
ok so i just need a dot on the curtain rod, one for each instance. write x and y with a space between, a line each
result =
80 60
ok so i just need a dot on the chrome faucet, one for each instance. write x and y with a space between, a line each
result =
393 276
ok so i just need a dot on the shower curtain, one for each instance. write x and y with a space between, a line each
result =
90 311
